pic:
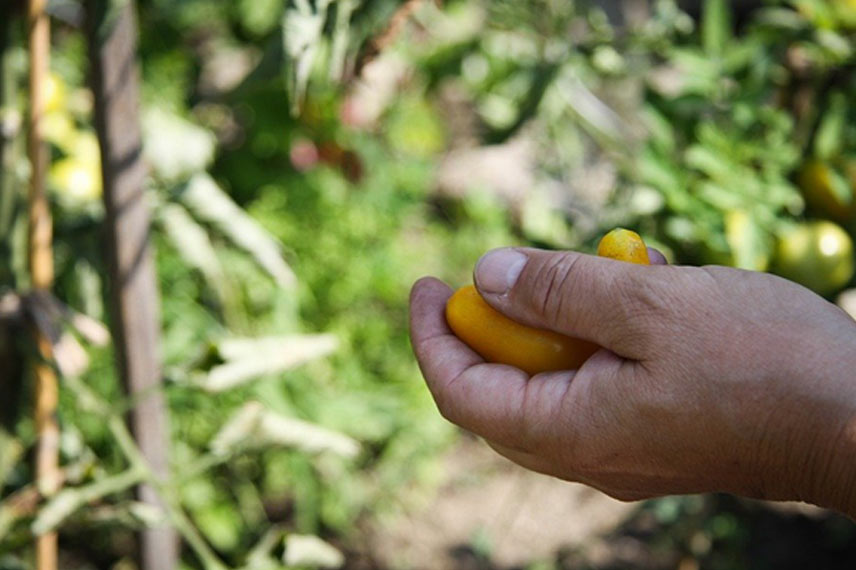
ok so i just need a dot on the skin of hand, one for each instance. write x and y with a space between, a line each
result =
710 379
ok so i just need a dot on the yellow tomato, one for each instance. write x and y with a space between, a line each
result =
58 128
818 255
76 180
54 93
497 338
624 245
846 11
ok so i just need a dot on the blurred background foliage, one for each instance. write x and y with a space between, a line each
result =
310 160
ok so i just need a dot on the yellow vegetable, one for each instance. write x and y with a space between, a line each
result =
623 245
496 338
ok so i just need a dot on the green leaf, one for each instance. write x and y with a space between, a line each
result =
840 188
192 243
260 555
248 359
309 550
11 452
221 524
341 37
208 202
259 17
413 127
67 501
302 35
709 162
699 74
722 198
598 118
253 426
175 147
830 133
715 26
661 131
750 245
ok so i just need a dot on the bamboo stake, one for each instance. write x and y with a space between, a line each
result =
41 267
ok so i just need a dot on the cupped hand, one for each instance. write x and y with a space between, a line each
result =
710 378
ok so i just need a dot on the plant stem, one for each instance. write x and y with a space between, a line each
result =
40 256
170 502
41 225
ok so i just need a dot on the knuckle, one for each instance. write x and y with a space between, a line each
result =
644 299
552 286
645 309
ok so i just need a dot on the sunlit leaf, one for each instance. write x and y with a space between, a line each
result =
71 358
302 32
11 452
67 501
220 522
309 550
750 246
175 147
208 202
597 117
247 359
260 556
253 426
195 247
847 301
341 37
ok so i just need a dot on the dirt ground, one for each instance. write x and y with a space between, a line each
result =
489 506
489 514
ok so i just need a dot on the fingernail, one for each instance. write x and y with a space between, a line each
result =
498 270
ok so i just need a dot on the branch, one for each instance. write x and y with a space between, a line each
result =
374 46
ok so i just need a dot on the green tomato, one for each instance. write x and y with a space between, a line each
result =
818 255
826 191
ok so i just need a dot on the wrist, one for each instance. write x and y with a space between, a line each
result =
834 484
828 477
807 448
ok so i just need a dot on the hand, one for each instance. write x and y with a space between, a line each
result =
710 379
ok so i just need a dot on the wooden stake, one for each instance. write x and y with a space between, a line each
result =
42 275
135 300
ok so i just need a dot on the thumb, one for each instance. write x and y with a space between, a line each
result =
601 300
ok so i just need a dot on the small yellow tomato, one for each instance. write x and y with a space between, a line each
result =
76 180
624 245
54 93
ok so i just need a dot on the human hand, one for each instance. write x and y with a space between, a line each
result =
711 379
